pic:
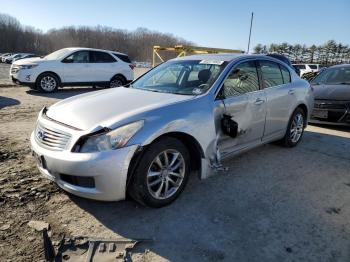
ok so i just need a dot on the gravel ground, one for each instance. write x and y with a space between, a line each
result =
273 203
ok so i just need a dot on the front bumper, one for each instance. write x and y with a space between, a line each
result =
22 76
16 81
108 169
331 112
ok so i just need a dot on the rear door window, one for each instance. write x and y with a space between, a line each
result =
271 74
101 57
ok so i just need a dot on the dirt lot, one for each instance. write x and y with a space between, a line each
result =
273 204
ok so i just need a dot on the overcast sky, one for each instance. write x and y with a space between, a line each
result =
213 23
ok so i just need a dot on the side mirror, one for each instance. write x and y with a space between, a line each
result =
68 60
228 126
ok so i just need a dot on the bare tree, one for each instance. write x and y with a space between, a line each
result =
327 54
137 44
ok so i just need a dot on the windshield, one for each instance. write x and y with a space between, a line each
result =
57 54
333 76
186 77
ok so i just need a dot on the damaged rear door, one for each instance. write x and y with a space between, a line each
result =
245 104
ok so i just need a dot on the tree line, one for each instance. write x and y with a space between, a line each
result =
327 54
14 37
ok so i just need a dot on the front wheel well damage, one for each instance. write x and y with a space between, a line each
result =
195 151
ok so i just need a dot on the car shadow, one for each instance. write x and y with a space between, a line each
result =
7 101
64 92
264 208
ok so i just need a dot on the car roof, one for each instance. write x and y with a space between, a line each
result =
93 49
226 57
339 66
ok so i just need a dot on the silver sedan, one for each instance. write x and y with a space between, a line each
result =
182 117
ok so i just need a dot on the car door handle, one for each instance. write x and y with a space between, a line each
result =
291 92
259 101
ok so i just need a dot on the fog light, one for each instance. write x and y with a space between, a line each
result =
28 77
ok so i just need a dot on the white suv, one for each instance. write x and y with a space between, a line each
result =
73 67
307 68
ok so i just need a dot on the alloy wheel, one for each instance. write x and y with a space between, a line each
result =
115 83
297 127
166 174
48 83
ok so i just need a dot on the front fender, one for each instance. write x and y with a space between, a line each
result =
194 118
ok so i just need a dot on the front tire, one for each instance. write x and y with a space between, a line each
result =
47 83
162 173
295 129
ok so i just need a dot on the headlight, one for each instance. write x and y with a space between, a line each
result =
114 139
28 66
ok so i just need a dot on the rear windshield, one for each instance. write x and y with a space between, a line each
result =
124 58
313 66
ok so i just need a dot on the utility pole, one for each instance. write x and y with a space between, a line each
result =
250 31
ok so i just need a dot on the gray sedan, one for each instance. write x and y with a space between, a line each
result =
182 117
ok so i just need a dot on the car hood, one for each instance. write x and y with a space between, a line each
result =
25 61
107 107
332 92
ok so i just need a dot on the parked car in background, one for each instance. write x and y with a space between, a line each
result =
24 56
307 68
10 59
4 56
332 96
184 115
73 67
143 64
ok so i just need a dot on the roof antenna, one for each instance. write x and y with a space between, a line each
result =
250 31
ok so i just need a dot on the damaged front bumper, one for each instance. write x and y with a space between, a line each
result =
99 176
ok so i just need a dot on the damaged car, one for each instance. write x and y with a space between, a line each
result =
181 118
332 96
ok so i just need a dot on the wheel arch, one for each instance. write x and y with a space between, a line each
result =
49 72
119 75
303 107
193 146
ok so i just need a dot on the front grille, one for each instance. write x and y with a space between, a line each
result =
322 104
51 138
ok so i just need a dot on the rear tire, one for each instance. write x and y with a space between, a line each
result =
162 173
295 129
47 83
116 81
